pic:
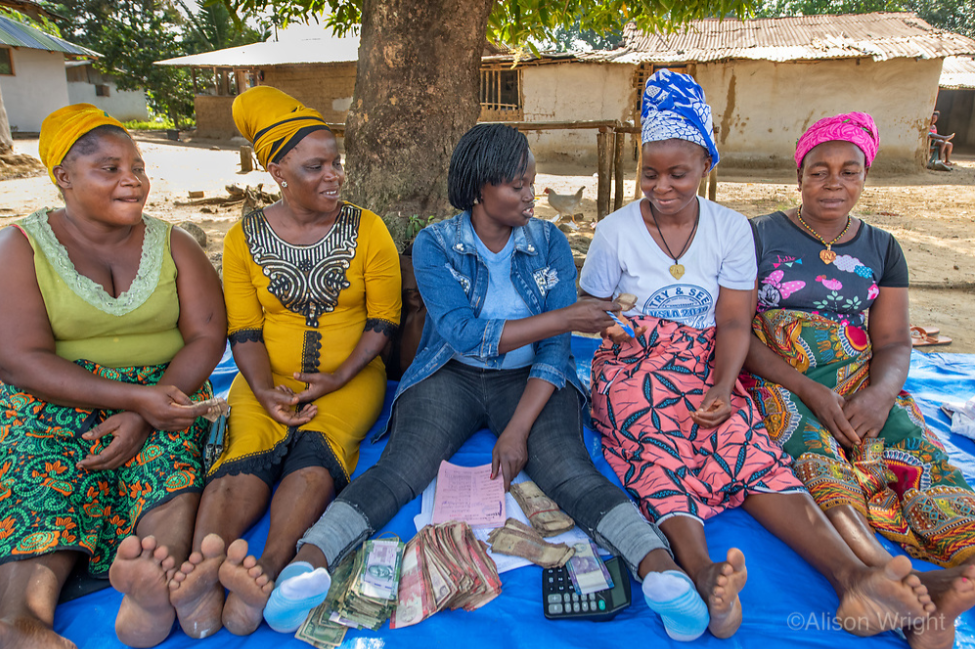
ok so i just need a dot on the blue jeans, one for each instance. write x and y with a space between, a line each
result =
434 418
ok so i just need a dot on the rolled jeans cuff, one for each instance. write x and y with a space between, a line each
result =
625 531
339 531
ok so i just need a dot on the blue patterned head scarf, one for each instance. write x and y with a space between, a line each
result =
674 107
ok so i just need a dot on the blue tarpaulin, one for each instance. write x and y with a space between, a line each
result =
786 602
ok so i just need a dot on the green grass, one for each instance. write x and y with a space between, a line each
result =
136 125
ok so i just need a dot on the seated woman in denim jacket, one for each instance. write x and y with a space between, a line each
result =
501 297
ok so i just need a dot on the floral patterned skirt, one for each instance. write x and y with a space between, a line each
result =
48 505
643 392
901 481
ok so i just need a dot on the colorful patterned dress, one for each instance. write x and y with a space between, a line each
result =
814 316
46 503
309 305
644 390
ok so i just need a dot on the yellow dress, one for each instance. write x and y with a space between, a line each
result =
310 305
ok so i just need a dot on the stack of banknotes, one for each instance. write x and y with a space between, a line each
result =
520 540
541 511
444 566
362 595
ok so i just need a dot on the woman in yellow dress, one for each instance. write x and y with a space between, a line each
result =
312 288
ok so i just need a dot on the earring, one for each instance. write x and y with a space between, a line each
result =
284 183
475 201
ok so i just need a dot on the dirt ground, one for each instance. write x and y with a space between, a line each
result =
931 213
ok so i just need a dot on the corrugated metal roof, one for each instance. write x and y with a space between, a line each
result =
957 72
880 36
19 35
327 49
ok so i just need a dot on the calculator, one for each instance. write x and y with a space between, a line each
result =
562 602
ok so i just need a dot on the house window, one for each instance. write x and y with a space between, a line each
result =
101 90
6 61
501 98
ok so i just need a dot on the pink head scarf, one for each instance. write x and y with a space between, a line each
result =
857 128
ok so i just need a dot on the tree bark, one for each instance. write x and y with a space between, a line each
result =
416 93
6 141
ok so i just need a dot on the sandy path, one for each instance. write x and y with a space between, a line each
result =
931 213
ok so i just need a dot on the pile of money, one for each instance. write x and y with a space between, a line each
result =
520 540
444 566
362 595
542 512
626 301
587 570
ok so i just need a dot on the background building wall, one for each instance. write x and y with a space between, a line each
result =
37 88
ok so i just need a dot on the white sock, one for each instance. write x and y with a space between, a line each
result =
308 584
663 587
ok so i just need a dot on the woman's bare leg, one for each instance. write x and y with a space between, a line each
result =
29 592
300 500
872 598
718 583
229 506
143 567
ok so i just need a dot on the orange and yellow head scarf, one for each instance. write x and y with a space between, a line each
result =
274 122
65 126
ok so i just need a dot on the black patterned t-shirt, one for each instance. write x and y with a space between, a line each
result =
791 274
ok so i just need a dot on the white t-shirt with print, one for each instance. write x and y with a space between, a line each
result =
624 258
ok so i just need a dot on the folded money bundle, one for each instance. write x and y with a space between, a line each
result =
362 594
542 512
444 566
520 540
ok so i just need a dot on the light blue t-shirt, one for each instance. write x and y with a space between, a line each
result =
502 302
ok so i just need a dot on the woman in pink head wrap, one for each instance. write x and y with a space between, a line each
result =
829 379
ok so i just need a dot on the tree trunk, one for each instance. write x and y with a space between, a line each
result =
416 93
6 142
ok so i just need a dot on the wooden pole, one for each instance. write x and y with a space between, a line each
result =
246 159
702 189
637 190
618 170
713 185
603 140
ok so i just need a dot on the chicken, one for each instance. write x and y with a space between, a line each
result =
566 205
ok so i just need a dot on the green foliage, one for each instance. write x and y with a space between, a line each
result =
954 15
161 124
44 24
522 22
416 223
131 35
567 38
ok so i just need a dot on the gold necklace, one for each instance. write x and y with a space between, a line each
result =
828 256
677 269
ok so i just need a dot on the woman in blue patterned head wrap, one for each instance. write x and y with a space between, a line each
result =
678 429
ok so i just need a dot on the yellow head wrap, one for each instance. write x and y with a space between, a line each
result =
274 121
65 126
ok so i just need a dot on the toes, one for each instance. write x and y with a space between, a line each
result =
255 572
212 546
249 561
130 548
237 551
898 568
149 543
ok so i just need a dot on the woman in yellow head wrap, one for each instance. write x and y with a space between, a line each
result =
312 289
119 317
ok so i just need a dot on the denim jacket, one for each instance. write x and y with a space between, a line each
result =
453 281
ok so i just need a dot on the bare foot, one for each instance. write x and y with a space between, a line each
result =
719 585
195 590
249 589
953 592
881 599
142 571
30 633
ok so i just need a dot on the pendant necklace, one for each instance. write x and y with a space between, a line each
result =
677 269
828 256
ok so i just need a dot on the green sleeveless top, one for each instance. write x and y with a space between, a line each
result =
137 328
